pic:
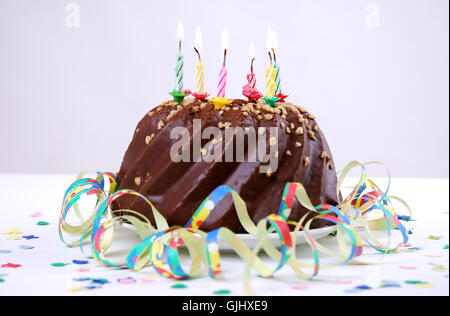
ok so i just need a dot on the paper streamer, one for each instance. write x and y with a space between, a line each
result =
367 207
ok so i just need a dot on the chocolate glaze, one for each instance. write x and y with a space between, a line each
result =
177 189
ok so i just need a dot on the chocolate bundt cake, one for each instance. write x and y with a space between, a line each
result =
177 188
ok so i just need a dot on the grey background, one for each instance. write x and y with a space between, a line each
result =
70 97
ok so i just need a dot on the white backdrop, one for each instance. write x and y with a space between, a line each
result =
374 72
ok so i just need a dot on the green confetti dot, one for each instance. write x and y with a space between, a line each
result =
446 247
2 280
43 223
222 292
415 282
59 264
178 286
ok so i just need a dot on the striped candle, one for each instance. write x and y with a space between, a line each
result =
223 72
200 78
180 60
222 82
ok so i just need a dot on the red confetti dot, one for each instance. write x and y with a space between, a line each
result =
11 265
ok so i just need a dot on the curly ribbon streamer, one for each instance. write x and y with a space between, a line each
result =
350 215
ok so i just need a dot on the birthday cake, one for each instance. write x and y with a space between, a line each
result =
176 171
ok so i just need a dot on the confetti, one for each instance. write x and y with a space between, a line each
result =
178 286
82 270
59 264
128 280
29 237
446 247
12 232
300 287
433 256
75 289
148 280
36 214
343 282
14 237
439 268
431 237
42 223
2 275
415 282
5 251
389 283
100 281
81 279
222 292
2 281
11 265
24 247
407 268
80 262
425 286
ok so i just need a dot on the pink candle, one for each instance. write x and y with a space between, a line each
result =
251 76
223 72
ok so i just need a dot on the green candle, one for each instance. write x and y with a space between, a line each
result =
180 61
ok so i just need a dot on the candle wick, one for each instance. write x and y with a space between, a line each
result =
198 54
274 56
179 45
224 57
251 65
270 57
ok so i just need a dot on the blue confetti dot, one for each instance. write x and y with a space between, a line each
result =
26 247
5 251
80 261
28 237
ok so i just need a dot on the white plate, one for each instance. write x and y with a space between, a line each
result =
251 240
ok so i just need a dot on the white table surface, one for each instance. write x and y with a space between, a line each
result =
22 195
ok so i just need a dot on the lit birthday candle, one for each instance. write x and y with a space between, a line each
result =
198 45
276 67
249 90
177 92
270 74
223 72
180 60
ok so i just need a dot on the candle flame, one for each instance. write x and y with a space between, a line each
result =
274 41
225 41
251 52
180 33
198 42
269 40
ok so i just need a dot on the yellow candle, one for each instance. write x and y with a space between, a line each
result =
270 72
200 68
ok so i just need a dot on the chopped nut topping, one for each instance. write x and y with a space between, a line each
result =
245 113
150 113
283 116
268 117
269 173
137 180
204 152
225 125
323 154
306 161
260 117
292 126
312 135
288 152
272 141
288 130
301 120
297 144
221 112
148 139
302 109
282 125
196 108
160 124
171 114
299 131
316 128
137 130
312 117
235 108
